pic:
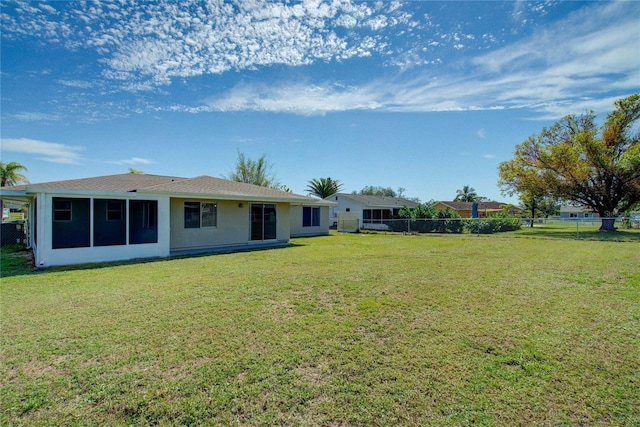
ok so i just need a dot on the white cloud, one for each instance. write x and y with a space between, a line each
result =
142 43
76 83
591 54
132 161
47 151
297 99
567 68
35 117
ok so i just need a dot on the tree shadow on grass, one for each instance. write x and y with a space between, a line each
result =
579 233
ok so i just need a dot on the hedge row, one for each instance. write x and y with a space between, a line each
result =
455 225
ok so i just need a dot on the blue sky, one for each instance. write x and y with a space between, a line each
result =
429 96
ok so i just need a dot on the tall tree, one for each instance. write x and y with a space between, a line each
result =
323 187
10 174
370 190
575 162
466 194
256 172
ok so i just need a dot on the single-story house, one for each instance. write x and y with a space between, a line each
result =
464 209
371 211
575 212
128 216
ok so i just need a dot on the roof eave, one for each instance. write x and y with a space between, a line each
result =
14 195
75 192
217 196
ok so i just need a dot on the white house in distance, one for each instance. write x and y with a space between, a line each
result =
370 211
129 216
574 212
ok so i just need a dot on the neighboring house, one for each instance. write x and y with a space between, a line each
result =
127 216
573 212
484 208
372 211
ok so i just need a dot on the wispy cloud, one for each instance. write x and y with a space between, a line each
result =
146 43
132 161
304 99
567 68
35 117
142 47
47 151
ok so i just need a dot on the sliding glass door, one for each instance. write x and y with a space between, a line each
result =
263 222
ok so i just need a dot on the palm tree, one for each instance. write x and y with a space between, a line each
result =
256 172
466 194
10 175
323 187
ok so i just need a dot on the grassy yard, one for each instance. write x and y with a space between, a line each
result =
368 329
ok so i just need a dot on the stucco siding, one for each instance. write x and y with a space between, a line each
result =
345 205
299 230
232 227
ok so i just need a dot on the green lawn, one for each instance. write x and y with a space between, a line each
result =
364 329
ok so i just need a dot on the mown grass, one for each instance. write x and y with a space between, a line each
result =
15 259
366 329
583 230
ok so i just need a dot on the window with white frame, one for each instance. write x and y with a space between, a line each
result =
114 210
200 214
62 210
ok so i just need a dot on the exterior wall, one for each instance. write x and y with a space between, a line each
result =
296 222
232 230
572 212
46 256
344 205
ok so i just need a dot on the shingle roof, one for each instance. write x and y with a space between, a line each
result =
378 201
208 185
121 183
202 186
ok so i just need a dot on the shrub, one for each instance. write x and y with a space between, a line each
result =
494 223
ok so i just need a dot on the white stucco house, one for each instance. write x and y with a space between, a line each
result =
371 211
129 216
575 212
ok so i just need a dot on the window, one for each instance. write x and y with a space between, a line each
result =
71 223
209 215
149 215
62 210
191 214
109 225
114 211
197 215
143 220
310 217
366 216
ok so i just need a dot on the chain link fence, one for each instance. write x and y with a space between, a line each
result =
489 225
